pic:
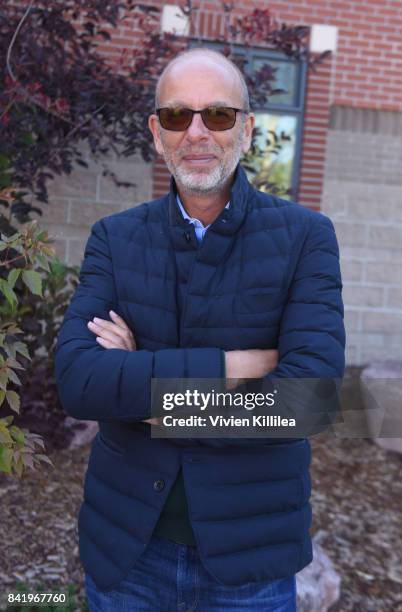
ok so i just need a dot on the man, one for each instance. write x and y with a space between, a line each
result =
213 280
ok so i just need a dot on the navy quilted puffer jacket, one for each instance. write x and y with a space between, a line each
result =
265 276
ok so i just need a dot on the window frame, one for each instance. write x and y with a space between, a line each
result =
250 54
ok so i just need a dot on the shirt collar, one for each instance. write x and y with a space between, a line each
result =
242 199
192 219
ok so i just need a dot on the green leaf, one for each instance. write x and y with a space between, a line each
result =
6 456
9 239
12 276
5 437
3 379
2 396
13 400
10 350
41 235
12 328
27 138
12 363
4 162
8 292
43 262
20 347
7 420
17 434
33 281
18 464
13 376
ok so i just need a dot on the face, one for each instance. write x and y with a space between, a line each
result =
196 84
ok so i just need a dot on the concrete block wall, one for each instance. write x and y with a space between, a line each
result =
363 196
78 200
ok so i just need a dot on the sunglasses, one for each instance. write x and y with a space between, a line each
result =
215 118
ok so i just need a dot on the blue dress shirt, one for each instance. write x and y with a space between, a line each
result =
200 229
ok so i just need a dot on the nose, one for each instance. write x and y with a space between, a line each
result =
197 129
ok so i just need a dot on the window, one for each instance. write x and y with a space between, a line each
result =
280 120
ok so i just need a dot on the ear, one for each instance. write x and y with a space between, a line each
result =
248 132
153 124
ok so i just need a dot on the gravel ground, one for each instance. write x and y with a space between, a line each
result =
357 502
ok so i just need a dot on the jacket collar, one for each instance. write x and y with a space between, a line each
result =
229 220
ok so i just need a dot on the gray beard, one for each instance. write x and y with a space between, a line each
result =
211 182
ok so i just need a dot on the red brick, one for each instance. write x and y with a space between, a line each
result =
361 79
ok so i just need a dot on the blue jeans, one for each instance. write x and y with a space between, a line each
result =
169 577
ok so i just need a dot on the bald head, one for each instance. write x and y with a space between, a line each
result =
207 57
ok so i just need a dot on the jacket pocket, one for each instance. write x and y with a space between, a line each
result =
258 301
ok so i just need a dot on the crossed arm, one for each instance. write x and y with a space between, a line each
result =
252 363
99 384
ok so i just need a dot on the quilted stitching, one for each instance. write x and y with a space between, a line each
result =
266 275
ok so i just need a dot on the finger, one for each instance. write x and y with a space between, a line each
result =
153 421
132 345
107 329
123 332
107 344
111 336
118 320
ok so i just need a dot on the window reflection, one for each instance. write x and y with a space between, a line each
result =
272 157
285 78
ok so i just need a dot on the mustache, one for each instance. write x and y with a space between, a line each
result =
204 152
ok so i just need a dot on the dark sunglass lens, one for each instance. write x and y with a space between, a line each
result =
219 118
176 119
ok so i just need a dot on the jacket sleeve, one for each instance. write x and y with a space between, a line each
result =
113 384
311 340
311 343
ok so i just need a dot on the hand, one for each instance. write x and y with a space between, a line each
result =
154 421
113 334
251 363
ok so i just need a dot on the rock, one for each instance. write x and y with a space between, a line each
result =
6 579
84 431
381 387
29 574
318 584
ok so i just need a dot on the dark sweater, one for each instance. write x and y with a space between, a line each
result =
174 522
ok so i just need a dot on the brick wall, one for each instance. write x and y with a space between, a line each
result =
368 71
